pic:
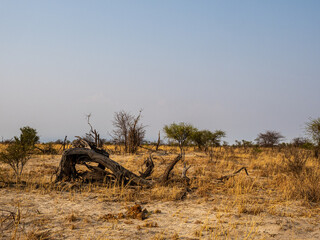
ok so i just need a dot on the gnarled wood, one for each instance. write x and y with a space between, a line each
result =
70 157
85 152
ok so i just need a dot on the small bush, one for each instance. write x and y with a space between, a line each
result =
306 186
19 150
294 160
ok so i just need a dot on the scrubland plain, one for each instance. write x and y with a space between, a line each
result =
279 199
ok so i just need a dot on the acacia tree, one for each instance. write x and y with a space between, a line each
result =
181 133
128 130
313 130
206 138
269 138
200 138
213 140
19 150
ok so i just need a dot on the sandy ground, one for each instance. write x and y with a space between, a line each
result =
69 215
223 213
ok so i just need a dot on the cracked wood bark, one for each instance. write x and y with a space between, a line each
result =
69 159
85 152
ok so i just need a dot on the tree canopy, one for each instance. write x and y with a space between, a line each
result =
269 138
205 138
181 133
313 130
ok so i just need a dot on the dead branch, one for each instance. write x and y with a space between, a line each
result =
158 142
166 173
93 133
64 143
184 171
11 218
149 167
226 177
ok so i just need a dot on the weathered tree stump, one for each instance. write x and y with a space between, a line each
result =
73 156
107 169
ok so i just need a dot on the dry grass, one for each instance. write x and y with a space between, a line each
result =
281 185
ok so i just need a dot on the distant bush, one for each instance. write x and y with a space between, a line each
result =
269 138
59 141
48 148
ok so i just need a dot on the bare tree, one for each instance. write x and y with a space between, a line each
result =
128 130
136 134
93 135
121 124
269 138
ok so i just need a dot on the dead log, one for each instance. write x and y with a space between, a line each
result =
73 156
85 153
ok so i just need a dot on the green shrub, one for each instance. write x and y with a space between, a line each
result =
19 150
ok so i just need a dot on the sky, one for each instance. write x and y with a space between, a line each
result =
240 66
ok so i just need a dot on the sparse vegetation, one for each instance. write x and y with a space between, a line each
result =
274 179
19 150
245 191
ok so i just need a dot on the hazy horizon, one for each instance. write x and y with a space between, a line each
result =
240 66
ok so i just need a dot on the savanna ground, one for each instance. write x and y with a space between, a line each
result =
280 199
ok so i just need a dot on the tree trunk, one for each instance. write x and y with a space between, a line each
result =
107 169
70 157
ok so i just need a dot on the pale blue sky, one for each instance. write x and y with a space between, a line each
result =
240 66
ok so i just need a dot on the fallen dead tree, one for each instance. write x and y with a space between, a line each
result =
101 168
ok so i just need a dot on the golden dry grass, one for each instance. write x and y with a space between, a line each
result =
280 198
